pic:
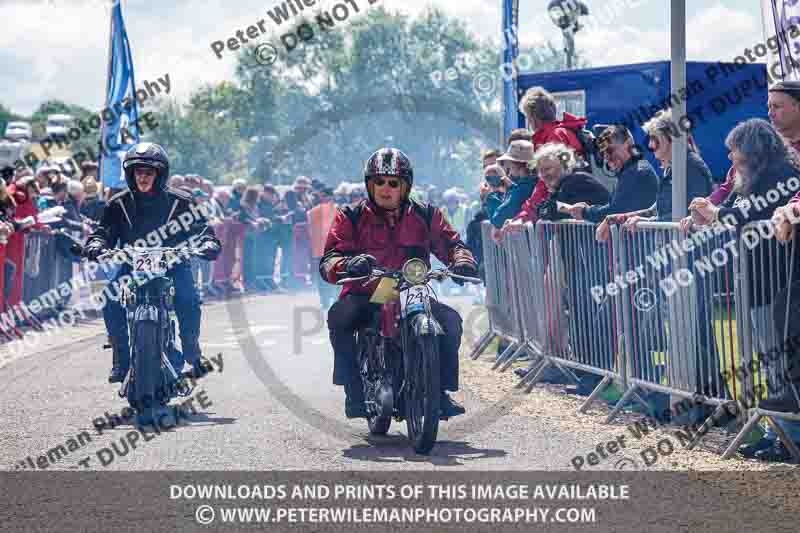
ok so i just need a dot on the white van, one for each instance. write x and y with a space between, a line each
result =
59 125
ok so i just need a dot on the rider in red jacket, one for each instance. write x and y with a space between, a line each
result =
387 230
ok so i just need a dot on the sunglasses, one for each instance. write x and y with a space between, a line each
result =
380 182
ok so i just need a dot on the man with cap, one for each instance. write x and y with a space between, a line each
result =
637 182
88 170
385 231
521 182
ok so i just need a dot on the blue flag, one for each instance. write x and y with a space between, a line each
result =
510 51
120 128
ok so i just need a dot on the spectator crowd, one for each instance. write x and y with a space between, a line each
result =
273 235
549 172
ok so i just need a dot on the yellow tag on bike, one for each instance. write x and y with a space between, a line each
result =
385 291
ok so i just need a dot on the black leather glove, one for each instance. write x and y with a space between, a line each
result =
463 268
93 251
360 265
209 251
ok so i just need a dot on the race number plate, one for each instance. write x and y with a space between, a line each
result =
412 300
149 264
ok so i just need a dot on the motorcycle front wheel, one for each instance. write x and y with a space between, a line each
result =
423 393
143 395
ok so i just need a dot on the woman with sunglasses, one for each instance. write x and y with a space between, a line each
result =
660 130
387 229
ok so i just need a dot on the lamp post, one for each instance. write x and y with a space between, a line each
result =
566 14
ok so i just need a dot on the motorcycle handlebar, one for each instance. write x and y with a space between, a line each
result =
124 252
438 275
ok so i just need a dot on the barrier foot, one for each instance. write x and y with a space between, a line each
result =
510 350
595 393
531 373
789 443
567 372
621 403
483 342
537 376
534 357
641 401
705 426
34 321
510 360
754 418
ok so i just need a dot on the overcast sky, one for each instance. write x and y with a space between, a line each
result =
58 49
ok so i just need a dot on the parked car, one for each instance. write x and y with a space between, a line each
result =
13 151
58 125
18 131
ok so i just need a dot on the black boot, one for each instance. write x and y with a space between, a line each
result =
121 360
354 406
776 453
449 407
750 451
200 365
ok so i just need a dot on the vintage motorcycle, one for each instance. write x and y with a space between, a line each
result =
398 352
154 376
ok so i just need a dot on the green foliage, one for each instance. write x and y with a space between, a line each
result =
425 85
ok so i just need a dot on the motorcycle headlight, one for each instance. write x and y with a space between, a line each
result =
414 271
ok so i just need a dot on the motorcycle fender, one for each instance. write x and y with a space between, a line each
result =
422 324
146 313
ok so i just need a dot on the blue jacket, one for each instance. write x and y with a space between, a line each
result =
501 207
698 185
637 187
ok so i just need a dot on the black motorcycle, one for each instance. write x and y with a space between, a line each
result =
154 376
398 353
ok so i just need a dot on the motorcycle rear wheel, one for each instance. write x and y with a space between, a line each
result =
379 425
423 394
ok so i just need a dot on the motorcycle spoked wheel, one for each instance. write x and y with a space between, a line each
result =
378 425
423 393
148 378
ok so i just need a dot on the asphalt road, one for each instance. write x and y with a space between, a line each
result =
272 406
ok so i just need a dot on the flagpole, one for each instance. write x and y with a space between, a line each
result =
103 148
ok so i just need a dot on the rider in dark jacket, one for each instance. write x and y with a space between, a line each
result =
148 213
387 230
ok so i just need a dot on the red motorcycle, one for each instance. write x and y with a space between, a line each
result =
398 352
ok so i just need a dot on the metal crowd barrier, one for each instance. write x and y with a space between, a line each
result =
44 268
575 331
766 269
504 318
679 311
693 316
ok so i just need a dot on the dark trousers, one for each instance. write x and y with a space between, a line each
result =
187 310
354 310
268 249
284 234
